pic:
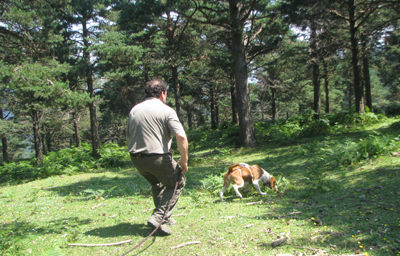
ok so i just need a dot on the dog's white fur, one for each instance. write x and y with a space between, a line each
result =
242 174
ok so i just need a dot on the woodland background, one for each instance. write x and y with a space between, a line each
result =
71 70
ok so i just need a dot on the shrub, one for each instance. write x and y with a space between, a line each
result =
351 152
316 127
66 161
212 183
393 110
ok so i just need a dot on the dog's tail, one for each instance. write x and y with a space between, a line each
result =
233 166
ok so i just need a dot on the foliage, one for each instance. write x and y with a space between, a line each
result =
207 138
357 203
351 152
66 161
9 242
212 183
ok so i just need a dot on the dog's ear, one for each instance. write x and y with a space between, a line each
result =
272 182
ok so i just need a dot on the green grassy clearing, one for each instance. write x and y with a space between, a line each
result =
358 205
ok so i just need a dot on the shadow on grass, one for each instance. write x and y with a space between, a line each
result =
122 229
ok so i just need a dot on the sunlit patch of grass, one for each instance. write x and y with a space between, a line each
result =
358 210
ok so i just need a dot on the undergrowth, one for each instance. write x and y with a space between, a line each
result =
339 178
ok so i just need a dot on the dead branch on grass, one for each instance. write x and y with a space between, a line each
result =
97 205
280 241
184 244
260 202
92 245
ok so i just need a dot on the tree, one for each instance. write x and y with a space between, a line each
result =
36 86
357 16
83 23
245 20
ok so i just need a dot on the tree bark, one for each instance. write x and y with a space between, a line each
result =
358 90
315 76
213 108
36 136
326 76
90 89
177 93
44 145
273 103
366 75
233 103
76 118
247 136
4 142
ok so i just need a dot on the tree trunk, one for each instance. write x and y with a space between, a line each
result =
366 76
177 93
36 136
358 90
233 103
315 73
44 145
48 141
90 89
212 108
273 103
327 100
189 116
76 118
4 142
247 136
350 96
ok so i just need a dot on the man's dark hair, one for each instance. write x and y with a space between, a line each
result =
154 88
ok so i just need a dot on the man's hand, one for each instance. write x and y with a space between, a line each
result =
184 166
183 146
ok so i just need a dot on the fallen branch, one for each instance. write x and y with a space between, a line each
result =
179 215
250 225
317 222
92 245
98 205
281 241
50 187
260 202
184 244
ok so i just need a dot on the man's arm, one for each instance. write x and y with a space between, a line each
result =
183 146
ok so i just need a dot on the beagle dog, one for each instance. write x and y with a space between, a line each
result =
242 174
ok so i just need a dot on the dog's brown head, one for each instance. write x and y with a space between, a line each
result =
272 182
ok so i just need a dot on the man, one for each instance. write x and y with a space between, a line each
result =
151 126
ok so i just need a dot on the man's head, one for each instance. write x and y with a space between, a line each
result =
155 87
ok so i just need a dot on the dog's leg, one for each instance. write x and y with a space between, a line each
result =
224 188
221 193
236 188
257 186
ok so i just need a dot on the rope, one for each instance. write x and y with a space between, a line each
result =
163 218
211 159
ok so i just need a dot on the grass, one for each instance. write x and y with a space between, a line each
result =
357 203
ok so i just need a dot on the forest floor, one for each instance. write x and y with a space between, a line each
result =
327 208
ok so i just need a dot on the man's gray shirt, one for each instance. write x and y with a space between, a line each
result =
151 126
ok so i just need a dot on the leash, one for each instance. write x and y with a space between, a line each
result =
215 160
163 218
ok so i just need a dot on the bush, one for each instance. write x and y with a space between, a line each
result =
316 127
213 183
66 161
207 138
393 110
277 130
367 148
113 155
